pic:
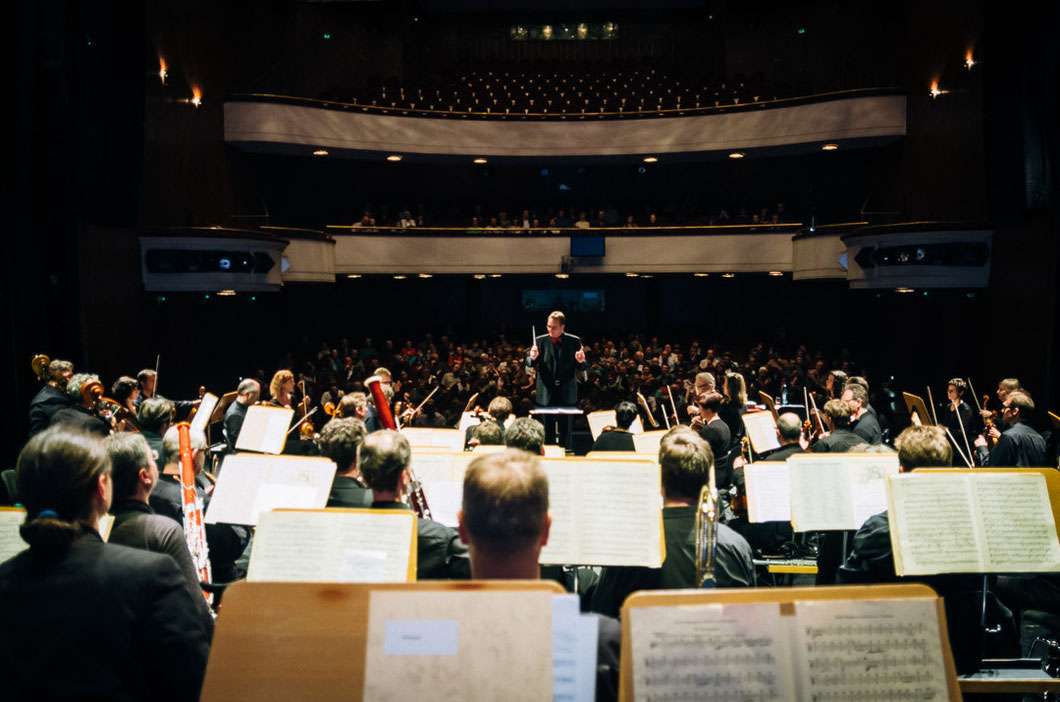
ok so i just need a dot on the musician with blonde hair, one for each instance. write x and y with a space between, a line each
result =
281 388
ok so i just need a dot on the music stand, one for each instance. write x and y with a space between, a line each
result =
557 413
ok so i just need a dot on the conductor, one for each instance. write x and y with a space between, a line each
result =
556 356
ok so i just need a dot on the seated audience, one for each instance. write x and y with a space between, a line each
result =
83 619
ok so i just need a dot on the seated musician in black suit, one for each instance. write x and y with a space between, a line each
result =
340 440
504 520
1020 446
618 438
715 432
51 397
79 414
249 391
384 462
685 460
487 434
134 474
871 561
83 619
839 439
863 422
226 542
155 417
500 408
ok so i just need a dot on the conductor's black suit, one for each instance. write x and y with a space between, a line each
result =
557 385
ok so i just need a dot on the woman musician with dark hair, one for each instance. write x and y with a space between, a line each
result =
82 618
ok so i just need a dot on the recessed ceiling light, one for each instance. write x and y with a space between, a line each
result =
829 147
651 159
646 275
426 275
728 275
400 277
776 274
393 157
701 275
904 290
632 275
354 275
736 154
563 275
480 276
226 293
320 152
479 160
495 275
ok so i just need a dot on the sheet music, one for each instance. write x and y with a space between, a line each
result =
761 430
434 438
1017 521
768 491
715 652
606 513
648 442
264 429
554 451
452 647
820 495
251 484
205 411
869 650
432 467
446 498
868 489
333 546
599 420
932 522
11 543
574 648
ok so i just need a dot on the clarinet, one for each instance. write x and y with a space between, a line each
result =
417 499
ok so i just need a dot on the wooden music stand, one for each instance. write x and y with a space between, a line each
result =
770 404
918 411
284 641
218 414
785 599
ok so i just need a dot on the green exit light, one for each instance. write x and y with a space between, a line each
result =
327 36
802 30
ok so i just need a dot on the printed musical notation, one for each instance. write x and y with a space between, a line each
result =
870 650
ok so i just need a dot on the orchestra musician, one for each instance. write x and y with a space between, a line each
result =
134 474
863 423
789 432
118 621
51 397
557 357
618 438
685 460
528 434
154 417
80 414
384 462
249 391
958 415
126 391
226 541
1004 387
715 432
147 379
340 440
498 411
281 389
1020 446
839 438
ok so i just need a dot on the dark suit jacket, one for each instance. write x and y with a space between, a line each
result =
234 416
98 621
839 441
46 403
614 440
440 554
555 364
1019 447
349 492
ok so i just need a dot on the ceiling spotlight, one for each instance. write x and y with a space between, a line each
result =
632 275
563 276
426 275
226 293
480 276
651 159
354 275
829 147
400 277
728 275
196 100
646 275
394 157
701 275
776 274
495 275
736 154
479 160
904 290
320 152
162 73
969 62
935 92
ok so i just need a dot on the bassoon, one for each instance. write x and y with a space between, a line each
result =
417 499
194 528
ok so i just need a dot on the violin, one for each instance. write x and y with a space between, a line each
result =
989 422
